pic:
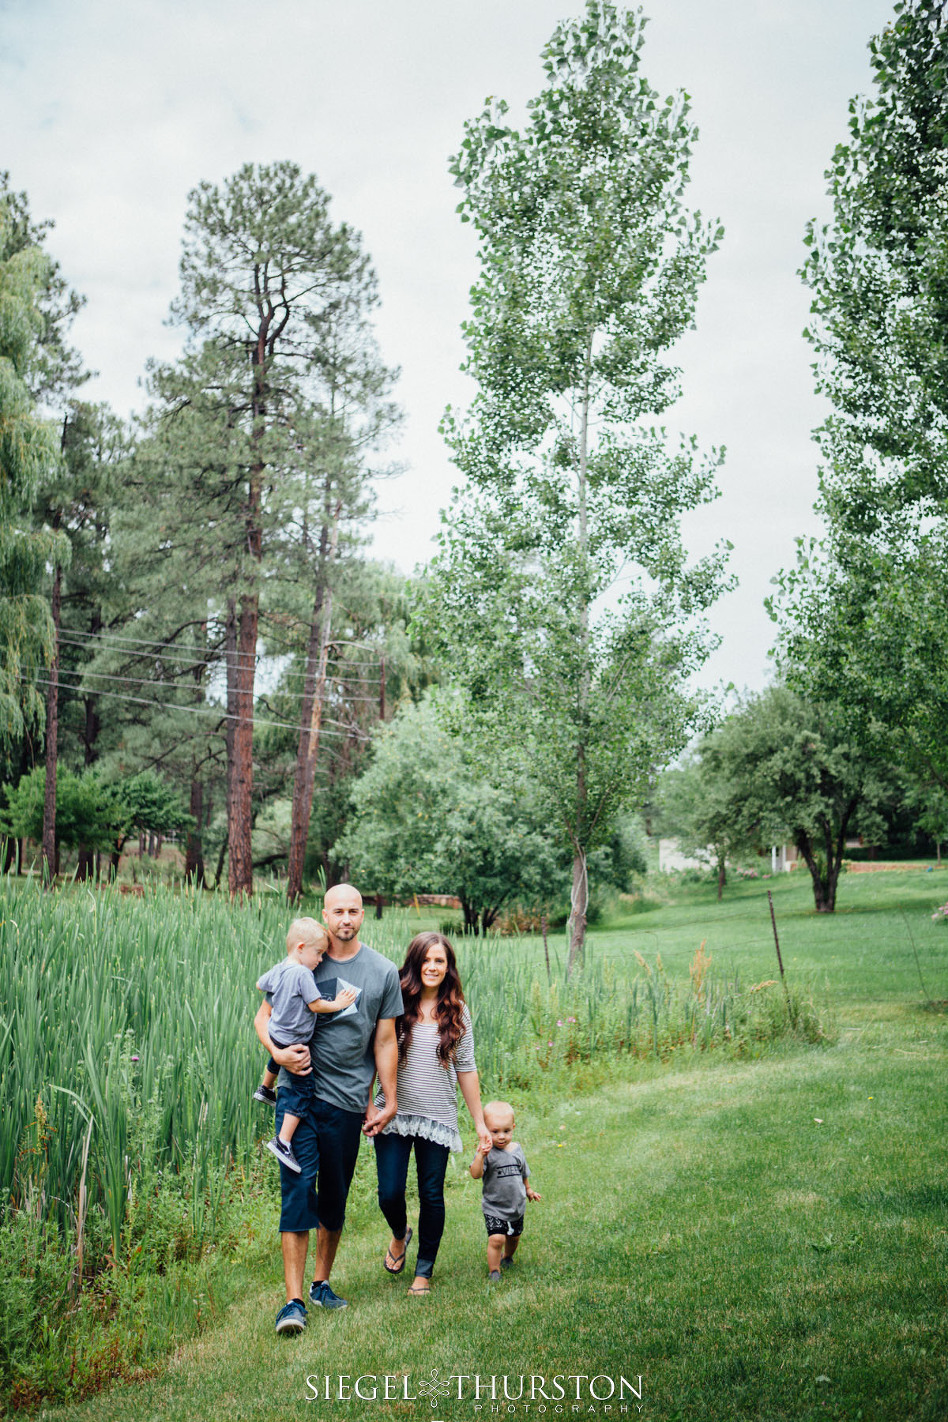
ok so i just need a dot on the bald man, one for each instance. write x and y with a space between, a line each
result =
347 1049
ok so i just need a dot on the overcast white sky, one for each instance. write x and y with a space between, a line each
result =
112 110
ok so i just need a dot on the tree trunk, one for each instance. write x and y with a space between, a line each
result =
220 863
471 920
85 869
239 829
825 871
311 714
580 903
194 850
91 722
722 877
579 898
488 918
50 856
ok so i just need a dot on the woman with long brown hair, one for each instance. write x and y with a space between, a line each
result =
435 1057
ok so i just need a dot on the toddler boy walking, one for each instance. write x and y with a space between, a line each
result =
504 1173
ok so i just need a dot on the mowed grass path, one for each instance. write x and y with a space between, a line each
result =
757 1239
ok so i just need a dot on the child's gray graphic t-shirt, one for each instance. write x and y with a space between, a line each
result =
290 988
505 1194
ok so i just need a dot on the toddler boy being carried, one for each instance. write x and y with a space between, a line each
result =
293 997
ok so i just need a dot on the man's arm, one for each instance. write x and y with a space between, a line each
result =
386 1068
295 1058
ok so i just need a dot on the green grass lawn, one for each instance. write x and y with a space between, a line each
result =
755 1239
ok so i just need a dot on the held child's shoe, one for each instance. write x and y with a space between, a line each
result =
266 1094
285 1155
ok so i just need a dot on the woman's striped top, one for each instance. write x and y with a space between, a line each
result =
427 1090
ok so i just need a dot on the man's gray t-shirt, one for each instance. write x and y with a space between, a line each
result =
342 1045
505 1194
289 987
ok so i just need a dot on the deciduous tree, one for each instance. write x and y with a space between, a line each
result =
562 595
864 615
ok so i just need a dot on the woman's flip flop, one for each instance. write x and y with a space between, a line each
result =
398 1260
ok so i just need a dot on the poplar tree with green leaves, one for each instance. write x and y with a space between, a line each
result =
562 594
863 614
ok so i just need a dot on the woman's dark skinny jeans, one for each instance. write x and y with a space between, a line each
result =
431 1162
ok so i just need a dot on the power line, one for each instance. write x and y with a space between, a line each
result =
173 651
220 714
117 637
83 672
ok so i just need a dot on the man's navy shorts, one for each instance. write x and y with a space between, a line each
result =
326 1145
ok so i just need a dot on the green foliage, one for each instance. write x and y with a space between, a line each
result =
425 820
562 599
87 811
91 812
863 615
27 453
698 807
786 770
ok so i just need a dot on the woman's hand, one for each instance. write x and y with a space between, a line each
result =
376 1117
484 1141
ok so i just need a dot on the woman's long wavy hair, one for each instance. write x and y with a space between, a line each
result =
450 998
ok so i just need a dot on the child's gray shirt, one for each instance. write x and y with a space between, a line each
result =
289 988
505 1194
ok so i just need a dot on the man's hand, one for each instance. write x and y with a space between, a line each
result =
376 1117
295 1058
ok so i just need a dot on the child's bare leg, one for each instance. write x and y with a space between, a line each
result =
510 1245
288 1129
495 1248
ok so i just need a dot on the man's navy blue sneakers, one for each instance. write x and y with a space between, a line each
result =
322 1296
292 1317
